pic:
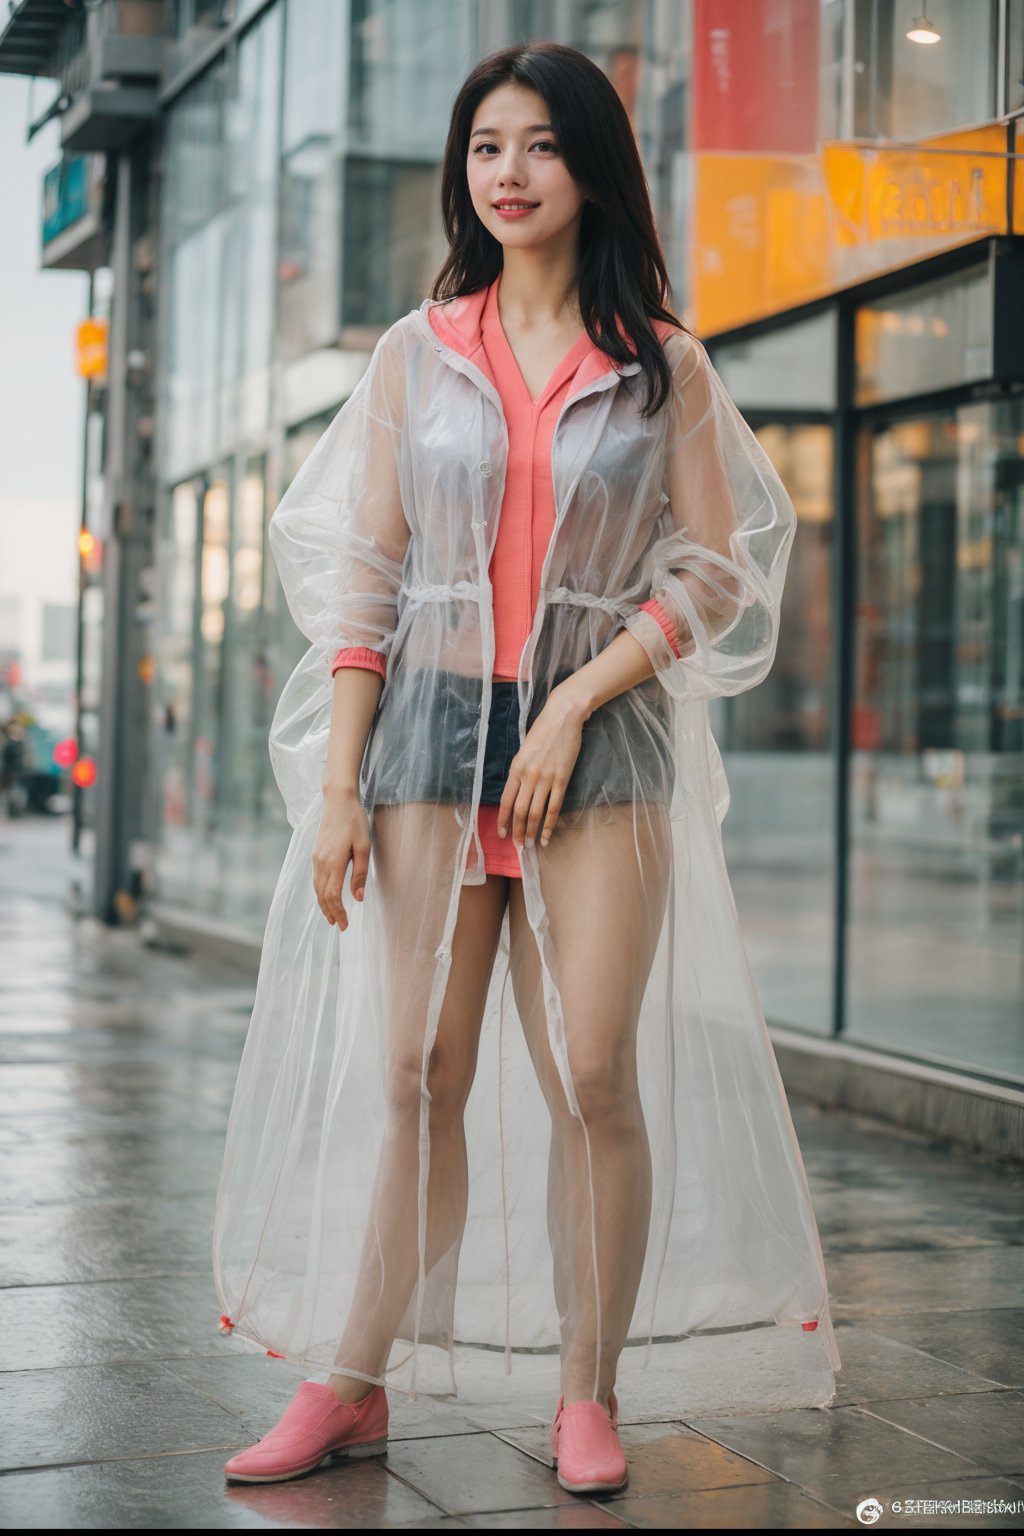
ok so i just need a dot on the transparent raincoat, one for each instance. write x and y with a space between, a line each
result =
666 1216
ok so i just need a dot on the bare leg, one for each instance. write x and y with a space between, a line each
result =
604 883
388 1265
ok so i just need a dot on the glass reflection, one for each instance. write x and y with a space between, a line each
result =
937 858
214 583
391 244
904 90
789 369
779 832
407 62
311 177
174 675
937 336
247 722
219 235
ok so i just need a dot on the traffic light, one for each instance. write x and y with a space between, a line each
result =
84 772
90 552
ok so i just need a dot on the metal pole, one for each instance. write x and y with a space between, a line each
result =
77 791
844 599
111 788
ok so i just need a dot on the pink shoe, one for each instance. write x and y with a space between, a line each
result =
585 1447
314 1429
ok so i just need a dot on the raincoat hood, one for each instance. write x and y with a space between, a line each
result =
625 1192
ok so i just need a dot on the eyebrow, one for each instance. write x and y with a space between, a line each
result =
533 128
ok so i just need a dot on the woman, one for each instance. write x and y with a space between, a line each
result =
542 523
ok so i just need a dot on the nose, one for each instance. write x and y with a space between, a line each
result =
509 168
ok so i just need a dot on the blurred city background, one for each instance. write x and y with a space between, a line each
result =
211 211
233 198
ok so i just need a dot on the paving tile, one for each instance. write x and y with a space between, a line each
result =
874 1214
849 1226
188 1492
143 1113
94 1039
258 1389
112 1321
162 1161
151 1078
867 1286
663 1458
986 1428
101 1412
475 1474
36 1022
877 1367
985 1488
706 1376
362 1495
435 1523
758 1507
61 1243
833 1452
583 1515
988 1342
852 1151
120 1066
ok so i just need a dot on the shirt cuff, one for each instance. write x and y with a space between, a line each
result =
360 656
656 611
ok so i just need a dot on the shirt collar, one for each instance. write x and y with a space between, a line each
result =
459 323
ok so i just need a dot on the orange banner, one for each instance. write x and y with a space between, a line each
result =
773 231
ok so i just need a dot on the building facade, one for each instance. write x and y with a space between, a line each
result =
842 212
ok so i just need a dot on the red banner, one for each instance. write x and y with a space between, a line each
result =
755 76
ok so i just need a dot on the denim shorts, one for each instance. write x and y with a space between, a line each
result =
502 740
625 753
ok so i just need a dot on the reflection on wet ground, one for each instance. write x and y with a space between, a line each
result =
120 1401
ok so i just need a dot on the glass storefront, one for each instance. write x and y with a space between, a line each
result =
179 548
779 834
908 90
925 867
938 336
222 830
776 740
880 846
312 155
936 932
225 647
300 180
219 235
388 206
407 60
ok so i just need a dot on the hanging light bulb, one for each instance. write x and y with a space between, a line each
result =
923 30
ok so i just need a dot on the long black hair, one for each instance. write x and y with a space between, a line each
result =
622 268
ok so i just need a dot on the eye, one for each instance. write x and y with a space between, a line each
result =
547 144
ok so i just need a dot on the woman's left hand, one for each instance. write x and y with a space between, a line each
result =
541 769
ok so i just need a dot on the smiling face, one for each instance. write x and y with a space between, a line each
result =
514 161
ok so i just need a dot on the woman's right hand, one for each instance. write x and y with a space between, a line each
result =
343 837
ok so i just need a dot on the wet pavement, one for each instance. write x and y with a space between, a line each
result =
119 1402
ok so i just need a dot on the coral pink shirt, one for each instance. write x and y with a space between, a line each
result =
527 515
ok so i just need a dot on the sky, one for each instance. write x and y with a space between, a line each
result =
41 398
